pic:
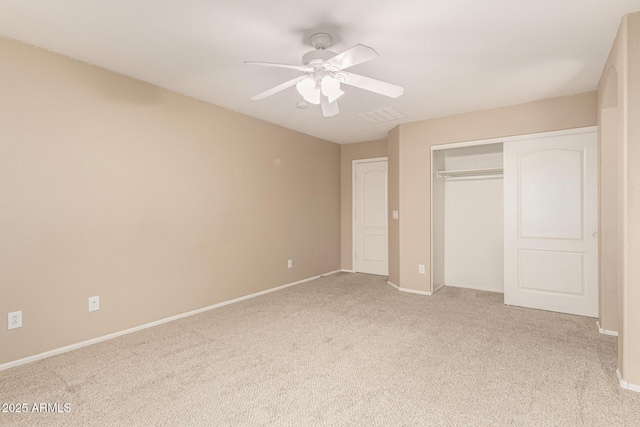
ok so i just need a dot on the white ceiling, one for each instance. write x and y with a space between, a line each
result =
451 56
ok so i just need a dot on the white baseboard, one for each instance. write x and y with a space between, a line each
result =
86 343
476 288
394 285
605 331
414 291
625 385
410 291
438 287
347 271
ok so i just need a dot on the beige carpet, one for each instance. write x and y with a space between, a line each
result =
346 349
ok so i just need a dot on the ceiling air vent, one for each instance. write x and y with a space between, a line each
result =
384 114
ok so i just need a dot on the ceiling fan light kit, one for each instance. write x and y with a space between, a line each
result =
331 88
324 72
311 88
308 89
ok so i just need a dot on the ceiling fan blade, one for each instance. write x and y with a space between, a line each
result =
278 88
372 85
350 57
273 64
329 109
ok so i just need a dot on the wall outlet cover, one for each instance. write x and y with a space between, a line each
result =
14 320
94 303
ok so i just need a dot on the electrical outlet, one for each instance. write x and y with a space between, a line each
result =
421 269
14 320
290 263
94 303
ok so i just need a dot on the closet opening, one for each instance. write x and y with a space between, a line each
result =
467 210
519 215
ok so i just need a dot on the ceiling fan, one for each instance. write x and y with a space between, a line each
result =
324 72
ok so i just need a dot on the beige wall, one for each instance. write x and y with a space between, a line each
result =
631 284
349 153
620 176
158 203
416 139
610 124
394 204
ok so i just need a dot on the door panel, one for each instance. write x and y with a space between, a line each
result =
374 248
564 272
371 228
374 183
551 216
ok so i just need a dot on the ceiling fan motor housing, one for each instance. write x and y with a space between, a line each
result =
321 42
315 58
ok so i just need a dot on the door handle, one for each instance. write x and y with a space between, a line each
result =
595 234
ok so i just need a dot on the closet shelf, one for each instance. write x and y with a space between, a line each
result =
469 172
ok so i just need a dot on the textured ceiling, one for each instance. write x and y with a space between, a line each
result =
451 56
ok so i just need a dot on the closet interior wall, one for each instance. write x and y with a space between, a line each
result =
437 221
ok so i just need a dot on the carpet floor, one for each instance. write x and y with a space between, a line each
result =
345 349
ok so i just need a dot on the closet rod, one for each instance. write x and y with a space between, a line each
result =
469 172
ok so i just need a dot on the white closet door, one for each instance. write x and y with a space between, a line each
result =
551 223
371 221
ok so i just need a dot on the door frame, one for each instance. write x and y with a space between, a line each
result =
535 135
353 204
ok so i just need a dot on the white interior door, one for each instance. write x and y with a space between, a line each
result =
551 223
370 218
